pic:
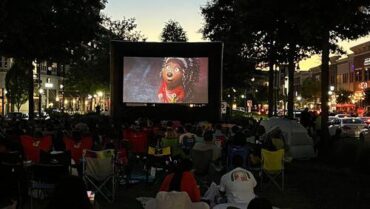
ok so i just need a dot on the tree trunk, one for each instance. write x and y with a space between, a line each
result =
325 89
291 69
83 106
31 105
271 89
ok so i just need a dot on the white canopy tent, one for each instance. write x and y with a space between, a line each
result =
296 137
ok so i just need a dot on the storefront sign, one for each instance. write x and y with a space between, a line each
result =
367 61
363 85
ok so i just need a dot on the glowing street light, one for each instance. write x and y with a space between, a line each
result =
242 96
299 98
99 93
234 106
332 88
41 91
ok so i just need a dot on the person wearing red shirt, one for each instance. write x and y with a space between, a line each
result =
182 180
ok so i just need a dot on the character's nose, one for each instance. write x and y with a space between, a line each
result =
169 74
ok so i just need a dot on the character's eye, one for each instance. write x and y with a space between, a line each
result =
177 70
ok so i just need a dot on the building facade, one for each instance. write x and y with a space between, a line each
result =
351 73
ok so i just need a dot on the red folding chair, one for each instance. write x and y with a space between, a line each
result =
76 147
138 141
32 146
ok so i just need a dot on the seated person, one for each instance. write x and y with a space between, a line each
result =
172 200
238 184
259 203
239 139
274 140
182 180
209 145
70 192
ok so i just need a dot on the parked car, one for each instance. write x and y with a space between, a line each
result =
342 116
347 127
43 116
15 116
366 120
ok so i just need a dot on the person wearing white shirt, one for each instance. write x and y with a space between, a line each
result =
238 184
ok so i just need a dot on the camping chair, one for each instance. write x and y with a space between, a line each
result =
99 172
237 150
273 167
32 146
187 143
12 177
174 144
44 178
202 164
158 159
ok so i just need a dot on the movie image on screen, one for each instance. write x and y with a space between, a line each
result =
180 80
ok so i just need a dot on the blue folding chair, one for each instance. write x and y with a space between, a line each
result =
234 151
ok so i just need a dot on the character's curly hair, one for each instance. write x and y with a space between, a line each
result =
190 71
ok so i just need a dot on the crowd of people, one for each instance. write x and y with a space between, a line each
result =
75 134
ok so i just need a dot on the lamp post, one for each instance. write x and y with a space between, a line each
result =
299 99
61 87
41 91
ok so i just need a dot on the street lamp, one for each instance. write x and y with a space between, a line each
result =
41 91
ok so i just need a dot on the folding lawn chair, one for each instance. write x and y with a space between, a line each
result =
273 167
158 160
44 178
237 150
99 172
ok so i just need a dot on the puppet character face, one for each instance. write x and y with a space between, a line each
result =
172 74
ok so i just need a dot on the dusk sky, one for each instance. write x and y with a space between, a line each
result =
151 16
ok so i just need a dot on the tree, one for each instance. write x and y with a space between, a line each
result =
343 96
257 31
47 30
16 83
323 23
91 72
172 32
311 89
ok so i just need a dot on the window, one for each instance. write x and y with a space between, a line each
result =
351 77
345 78
332 79
367 74
339 79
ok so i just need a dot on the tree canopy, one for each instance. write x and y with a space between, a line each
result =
311 89
173 32
91 72
16 83
47 30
